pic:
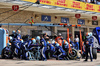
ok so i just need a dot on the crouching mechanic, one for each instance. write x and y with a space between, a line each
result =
27 45
18 45
44 48
89 45
62 54
15 47
65 45
51 48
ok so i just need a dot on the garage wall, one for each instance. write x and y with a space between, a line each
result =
24 15
21 17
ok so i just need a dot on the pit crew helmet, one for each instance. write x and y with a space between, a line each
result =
33 40
18 31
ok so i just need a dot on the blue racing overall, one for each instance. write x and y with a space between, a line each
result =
25 48
62 53
19 37
15 46
51 49
44 48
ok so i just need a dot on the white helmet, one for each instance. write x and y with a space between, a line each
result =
59 34
33 40
57 45
10 38
88 35
66 43
91 34
38 38
18 31
21 40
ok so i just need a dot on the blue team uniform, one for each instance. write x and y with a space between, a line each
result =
62 52
44 48
19 37
65 45
25 47
15 46
51 49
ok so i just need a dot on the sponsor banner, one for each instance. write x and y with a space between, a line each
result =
81 21
46 18
70 4
90 7
97 8
64 20
76 5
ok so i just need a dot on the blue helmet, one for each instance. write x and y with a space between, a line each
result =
38 38
33 40
48 42
57 45
13 31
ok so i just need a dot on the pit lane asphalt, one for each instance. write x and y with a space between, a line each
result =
51 62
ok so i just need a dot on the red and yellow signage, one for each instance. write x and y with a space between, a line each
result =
90 7
78 15
94 17
76 5
15 7
70 4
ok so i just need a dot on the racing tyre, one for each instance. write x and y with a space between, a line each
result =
72 55
94 52
6 53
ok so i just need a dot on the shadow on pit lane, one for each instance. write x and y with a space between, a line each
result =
19 62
